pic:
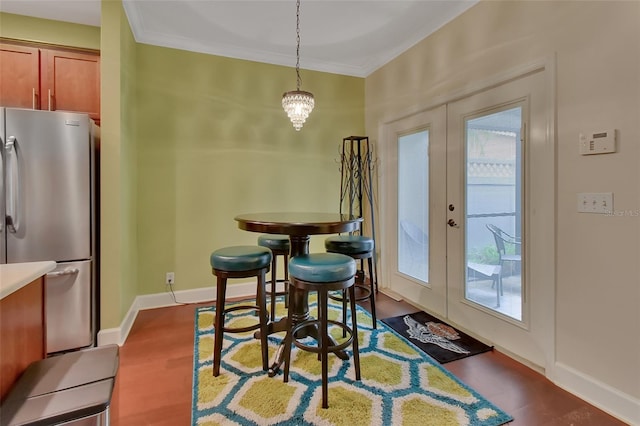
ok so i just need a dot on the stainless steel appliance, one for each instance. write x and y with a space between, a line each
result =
47 212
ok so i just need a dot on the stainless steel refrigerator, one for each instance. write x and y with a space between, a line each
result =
47 212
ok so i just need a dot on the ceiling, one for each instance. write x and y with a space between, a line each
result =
349 37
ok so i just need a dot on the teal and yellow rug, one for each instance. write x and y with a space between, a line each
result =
400 385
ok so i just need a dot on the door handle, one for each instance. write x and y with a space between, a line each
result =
452 223
13 186
63 272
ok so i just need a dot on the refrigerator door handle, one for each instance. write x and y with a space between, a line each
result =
13 185
71 271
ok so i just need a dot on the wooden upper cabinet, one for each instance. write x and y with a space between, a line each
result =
19 76
70 81
49 78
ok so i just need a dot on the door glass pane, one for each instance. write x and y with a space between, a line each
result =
413 205
493 239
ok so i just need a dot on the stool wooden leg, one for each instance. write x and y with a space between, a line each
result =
345 296
354 326
274 282
324 344
286 281
261 296
221 287
288 342
375 268
372 296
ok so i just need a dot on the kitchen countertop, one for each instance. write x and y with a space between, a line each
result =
14 276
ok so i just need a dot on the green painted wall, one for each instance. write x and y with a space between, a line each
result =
51 32
190 140
213 142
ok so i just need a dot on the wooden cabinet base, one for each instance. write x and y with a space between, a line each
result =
22 332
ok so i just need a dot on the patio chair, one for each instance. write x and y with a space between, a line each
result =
501 238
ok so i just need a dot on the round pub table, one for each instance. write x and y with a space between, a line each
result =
299 227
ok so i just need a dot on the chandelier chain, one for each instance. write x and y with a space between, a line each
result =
299 80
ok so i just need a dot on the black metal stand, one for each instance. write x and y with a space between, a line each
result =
356 187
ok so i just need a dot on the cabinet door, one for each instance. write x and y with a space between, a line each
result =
19 76
22 332
70 82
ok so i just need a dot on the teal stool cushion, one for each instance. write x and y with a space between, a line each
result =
322 267
241 258
274 242
349 244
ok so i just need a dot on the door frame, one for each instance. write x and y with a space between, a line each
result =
545 154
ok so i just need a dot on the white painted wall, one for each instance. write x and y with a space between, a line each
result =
597 47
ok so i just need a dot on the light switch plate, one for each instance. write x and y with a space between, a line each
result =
600 203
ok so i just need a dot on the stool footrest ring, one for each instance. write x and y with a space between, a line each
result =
241 329
366 290
242 308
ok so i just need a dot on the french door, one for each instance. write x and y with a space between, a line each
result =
414 193
468 194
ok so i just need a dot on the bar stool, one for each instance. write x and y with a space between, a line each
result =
358 247
279 246
323 273
240 262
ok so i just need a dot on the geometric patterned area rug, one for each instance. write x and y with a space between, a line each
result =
400 385
436 338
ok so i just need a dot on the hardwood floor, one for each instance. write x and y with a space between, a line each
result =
153 385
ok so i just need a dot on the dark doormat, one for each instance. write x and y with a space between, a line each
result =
438 339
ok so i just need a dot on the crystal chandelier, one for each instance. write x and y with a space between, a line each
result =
298 104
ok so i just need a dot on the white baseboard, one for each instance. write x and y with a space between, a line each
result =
119 335
392 294
608 399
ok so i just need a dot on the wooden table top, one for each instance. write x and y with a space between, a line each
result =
298 223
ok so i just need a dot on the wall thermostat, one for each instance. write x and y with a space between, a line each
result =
598 143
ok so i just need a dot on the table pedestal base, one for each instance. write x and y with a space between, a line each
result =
311 331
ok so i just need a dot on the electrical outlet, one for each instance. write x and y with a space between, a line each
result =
170 278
